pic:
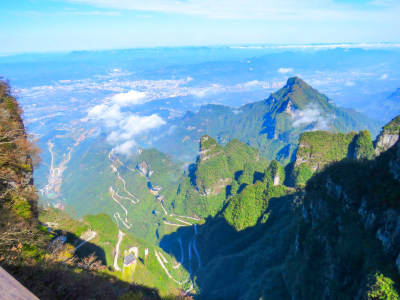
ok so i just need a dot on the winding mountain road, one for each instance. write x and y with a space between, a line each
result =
120 237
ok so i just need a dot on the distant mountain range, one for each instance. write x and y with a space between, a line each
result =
273 125
386 107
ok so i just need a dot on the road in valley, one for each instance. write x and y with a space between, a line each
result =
120 237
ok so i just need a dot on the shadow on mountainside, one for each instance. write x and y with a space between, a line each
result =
56 281
86 249
232 261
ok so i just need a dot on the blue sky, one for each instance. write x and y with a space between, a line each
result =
63 25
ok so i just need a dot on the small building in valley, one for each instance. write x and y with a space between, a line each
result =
129 260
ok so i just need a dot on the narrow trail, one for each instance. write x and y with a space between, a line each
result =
194 245
173 224
162 205
117 216
164 259
193 218
51 145
197 253
115 158
120 237
116 200
159 259
182 253
190 257
134 199
184 222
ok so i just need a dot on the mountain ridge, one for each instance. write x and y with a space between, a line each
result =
272 125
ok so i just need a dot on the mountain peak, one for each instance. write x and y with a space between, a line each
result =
299 94
295 80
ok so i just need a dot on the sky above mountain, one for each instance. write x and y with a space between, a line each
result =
62 25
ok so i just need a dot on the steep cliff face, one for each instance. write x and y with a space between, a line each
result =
317 149
17 193
212 173
348 229
388 136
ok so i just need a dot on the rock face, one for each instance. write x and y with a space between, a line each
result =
16 180
276 179
209 148
388 136
351 211
143 168
319 148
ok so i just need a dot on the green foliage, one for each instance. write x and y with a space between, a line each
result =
234 187
247 176
218 173
382 288
21 207
275 169
363 145
393 127
318 148
245 208
301 174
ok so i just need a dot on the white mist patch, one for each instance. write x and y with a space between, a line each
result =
236 111
124 127
129 98
384 76
311 115
285 70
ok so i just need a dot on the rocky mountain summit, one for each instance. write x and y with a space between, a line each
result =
388 136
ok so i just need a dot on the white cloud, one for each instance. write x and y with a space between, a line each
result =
206 91
126 147
236 111
134 125
311 115
285 70
109 114
350 83
383 77
124 127
129 98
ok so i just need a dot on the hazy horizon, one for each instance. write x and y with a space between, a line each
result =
67 25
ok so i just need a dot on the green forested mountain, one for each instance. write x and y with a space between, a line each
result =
273 125
219 173
333 239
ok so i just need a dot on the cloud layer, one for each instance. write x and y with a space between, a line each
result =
311 116
124 127
312 10
285 70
